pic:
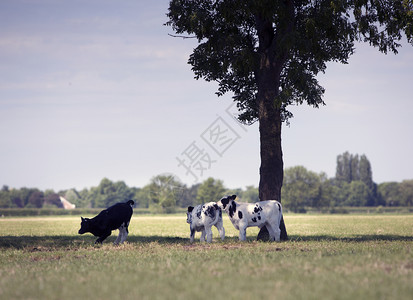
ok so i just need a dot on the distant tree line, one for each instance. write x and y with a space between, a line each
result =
352 186
163 194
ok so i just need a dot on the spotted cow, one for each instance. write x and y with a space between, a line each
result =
264 213
115 217
202 217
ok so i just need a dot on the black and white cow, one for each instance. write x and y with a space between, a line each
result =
115 217
264 213
202 217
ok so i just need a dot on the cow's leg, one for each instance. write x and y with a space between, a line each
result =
203 235
274 232
276 227
119 238
102 238
124 236
242 233
221 229
192 235
270 232
125 233
208 233
277 236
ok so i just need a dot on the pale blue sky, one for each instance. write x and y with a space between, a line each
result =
93 89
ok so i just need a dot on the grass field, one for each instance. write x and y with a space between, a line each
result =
327 257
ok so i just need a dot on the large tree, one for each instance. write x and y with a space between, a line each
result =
267 53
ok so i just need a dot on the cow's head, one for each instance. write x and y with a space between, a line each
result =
189 214
84 225
225 202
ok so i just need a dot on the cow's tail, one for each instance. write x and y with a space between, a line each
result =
280 214
284 236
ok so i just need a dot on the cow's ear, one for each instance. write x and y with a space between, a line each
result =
233 197
224 201
190 208
82 219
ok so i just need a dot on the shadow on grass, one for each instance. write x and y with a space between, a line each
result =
354 239
69 242
37 243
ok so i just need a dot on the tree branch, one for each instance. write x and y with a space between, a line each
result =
182 36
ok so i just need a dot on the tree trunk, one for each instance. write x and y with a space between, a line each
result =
272 166
271 170
269 116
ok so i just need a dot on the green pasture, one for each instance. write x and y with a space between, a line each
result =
327 257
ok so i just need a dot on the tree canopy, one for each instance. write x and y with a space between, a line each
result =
238 38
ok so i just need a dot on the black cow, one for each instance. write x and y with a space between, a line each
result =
115 217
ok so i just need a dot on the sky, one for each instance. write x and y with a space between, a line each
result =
98 89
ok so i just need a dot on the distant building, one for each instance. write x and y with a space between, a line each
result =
66 204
